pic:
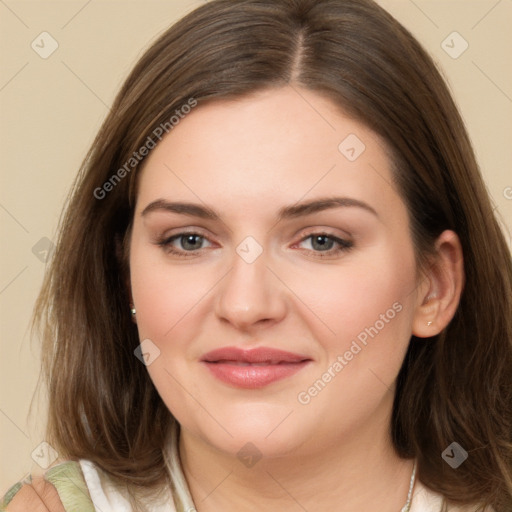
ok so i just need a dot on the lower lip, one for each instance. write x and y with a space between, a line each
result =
252 377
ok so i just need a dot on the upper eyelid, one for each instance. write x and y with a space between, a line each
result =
194 230
318 230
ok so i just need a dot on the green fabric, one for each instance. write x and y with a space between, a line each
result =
69 481
70 484
9 495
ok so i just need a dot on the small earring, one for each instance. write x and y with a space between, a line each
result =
429 323
133 311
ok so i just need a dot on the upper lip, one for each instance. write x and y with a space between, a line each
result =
255 355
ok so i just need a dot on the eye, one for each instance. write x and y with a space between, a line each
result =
183 243
190 242
325 244
321 242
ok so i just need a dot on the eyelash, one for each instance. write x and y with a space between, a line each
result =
165 243
343 245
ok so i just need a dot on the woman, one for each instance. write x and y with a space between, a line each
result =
279 282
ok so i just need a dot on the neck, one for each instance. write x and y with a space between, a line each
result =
360 473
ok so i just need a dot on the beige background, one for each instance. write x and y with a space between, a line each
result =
51 109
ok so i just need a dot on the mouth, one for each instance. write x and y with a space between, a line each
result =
255 368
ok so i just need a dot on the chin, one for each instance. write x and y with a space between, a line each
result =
254 427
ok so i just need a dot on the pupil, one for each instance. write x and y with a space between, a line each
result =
322 243
190 242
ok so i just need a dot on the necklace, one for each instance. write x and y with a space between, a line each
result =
187 505
407 505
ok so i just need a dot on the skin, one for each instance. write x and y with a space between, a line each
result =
247 159
39 496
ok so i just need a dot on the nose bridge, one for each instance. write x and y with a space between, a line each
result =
250 294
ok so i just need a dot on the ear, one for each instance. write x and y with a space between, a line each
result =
443 282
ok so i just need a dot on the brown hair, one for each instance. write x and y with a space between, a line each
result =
453 387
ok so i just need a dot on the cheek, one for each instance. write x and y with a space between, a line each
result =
370 309
362 293
164 295
168 300
369 306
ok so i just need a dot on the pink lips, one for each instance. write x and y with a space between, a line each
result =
254 368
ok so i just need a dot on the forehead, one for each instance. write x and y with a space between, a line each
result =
275 147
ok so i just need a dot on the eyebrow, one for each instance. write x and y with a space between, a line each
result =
319 205
194 210
288 212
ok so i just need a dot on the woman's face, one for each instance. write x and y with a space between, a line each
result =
272 223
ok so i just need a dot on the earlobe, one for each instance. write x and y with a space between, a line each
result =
440 296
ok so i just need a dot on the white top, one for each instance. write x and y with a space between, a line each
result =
105 497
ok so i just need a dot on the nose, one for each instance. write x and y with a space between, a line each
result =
250 296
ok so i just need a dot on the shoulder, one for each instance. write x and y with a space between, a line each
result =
74 486
426 500
66 487
61 489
